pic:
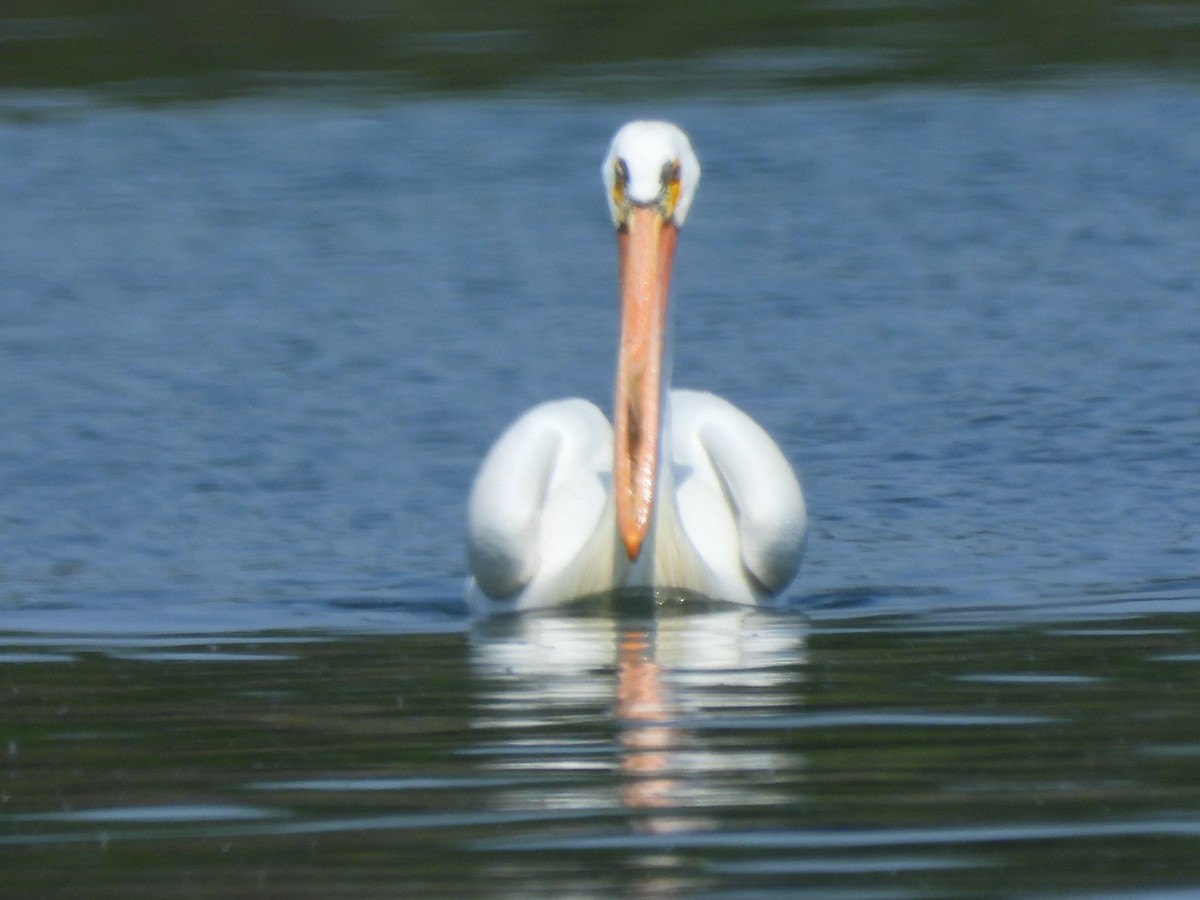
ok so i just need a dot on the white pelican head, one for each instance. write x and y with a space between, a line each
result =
651 175
650 163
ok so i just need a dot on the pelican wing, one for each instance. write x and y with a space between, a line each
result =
764 505
538 501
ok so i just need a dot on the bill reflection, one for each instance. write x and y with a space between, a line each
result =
632 707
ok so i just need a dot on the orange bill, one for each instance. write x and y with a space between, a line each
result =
646 247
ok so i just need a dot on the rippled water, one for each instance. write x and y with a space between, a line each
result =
251 352
610 752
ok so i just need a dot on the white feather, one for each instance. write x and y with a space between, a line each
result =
729 518
730 522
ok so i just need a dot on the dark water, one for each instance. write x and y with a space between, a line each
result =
172 48
719 753
251 351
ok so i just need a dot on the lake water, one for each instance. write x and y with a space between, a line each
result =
252 350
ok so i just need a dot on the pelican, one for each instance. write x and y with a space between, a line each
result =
683 490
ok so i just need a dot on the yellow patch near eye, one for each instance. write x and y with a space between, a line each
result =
620 179
673 189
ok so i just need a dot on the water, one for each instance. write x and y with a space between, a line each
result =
252 350
720 753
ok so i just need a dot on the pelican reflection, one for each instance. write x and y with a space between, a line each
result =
621 707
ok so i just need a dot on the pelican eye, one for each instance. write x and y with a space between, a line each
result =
620 180
670 186
620 175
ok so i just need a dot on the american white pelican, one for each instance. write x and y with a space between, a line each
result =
689 493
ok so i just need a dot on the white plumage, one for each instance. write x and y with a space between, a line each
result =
686 491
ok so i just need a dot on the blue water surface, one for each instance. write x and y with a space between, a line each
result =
252 350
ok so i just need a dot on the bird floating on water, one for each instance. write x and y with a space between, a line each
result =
683 491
